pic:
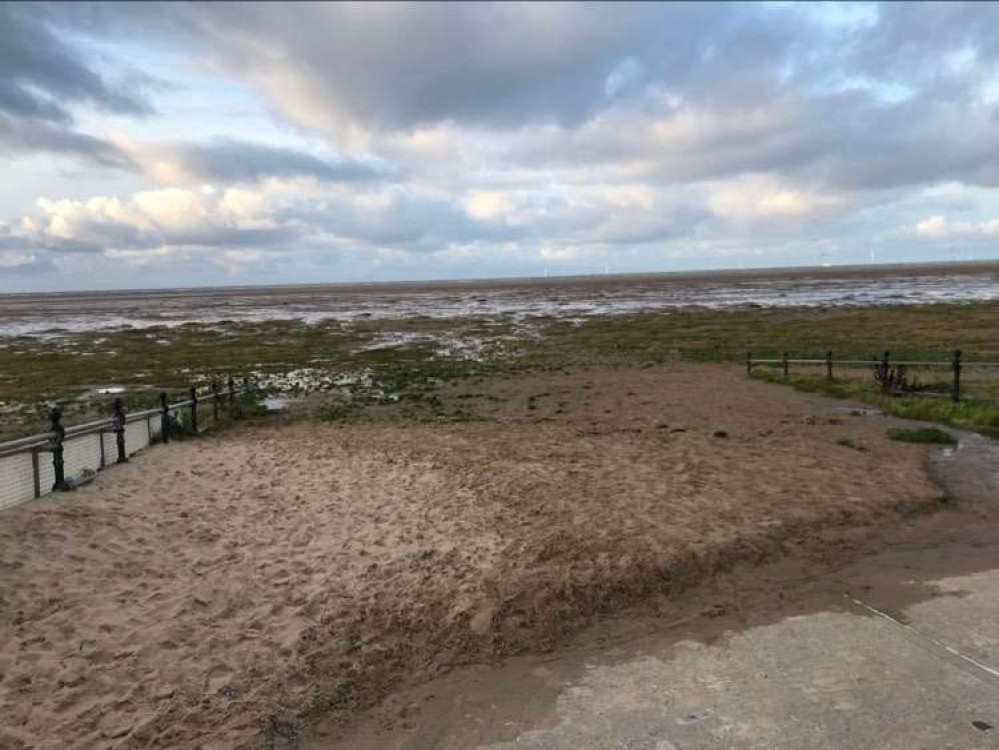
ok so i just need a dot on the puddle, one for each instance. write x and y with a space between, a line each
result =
276 403
859 411
970 469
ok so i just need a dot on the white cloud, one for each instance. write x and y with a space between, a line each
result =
154 220
762 198
935 226
940 226
489 206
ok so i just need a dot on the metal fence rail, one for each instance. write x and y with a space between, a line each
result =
65 457
887 370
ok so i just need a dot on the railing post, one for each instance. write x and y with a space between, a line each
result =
215 402
58 436
194 410
749 363
785 363
247 391
886 383
119 430
232 393
829 371
956 394
36 473
165 419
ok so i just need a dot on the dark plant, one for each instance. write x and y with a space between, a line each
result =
895 379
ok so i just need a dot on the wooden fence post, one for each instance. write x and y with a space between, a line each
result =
194 410
785 363
118 417
829 371
749 363
58 436
956 393
232 392
165 420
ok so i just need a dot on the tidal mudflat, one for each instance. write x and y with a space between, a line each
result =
370 344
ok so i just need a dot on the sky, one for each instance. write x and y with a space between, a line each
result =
189 144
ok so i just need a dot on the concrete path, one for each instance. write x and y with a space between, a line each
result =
899 650
830 680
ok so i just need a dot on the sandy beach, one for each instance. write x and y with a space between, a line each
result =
225 592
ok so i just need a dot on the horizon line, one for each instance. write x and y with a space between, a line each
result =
826 268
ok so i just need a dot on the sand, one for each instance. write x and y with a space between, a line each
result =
224 592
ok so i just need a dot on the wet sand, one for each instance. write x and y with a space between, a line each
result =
247 589
54 314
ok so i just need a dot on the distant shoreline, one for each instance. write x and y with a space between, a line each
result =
962 268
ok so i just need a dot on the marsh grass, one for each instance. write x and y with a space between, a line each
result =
66 368
982 416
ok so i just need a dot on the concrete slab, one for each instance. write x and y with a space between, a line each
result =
830 680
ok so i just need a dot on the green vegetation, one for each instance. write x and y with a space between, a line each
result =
835 388
982 416
416 358
932 435
909 332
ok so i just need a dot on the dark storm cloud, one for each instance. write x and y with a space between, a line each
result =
20 135
227 160
95 236
506 66
404 64
42 77
43 73
909 39
509 65
412 222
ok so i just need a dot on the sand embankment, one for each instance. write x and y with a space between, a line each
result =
212 592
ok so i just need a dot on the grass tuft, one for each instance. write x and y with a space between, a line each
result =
847 443
931 435
981 416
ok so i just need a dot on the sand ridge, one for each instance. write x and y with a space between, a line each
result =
217 593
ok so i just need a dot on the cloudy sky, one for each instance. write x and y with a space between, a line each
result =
190 144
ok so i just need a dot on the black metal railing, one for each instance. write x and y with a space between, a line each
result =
161 423
890 373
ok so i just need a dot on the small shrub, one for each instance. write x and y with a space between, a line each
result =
932 435
336 412
847 443
892 380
